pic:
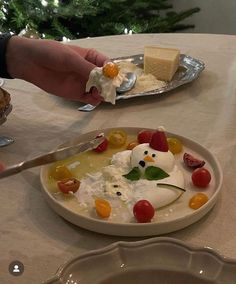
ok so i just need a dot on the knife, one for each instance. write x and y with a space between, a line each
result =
51 157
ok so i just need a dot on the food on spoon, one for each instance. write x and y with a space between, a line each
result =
198 200
106 79
201 177
161 62
192 162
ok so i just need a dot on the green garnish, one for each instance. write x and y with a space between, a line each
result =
171 185
155 173
134 174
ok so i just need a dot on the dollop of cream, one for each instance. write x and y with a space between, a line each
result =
105 85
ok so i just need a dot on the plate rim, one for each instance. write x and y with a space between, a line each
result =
133 245
136 229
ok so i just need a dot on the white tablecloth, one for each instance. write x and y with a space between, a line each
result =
204 111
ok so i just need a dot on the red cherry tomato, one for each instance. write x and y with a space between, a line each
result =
201 177
143 211
69 184
102 147
145 136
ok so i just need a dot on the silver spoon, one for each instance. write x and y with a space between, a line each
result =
127 85
124 87
4 141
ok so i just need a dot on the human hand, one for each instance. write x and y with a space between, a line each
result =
59 69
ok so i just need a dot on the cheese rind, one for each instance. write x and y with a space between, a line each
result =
161 62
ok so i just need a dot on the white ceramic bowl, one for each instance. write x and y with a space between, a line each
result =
155 260
183 216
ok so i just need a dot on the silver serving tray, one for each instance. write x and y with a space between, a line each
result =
189 70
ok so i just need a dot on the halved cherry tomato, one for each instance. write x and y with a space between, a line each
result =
131 145
117 138
102 147
68 185
143 211
145 136
175 145
61 172
103 207
198 200
201 177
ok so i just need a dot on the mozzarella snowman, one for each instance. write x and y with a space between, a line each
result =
112 184
156 153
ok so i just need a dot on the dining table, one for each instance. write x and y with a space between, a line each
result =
203 110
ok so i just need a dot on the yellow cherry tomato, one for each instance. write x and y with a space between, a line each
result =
110 70
198 200
61 172
175 145
117 138
131 145
103 207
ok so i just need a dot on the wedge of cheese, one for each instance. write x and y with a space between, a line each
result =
161 62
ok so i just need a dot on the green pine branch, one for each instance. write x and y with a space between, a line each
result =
83 18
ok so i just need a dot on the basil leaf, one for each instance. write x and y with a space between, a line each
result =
134 174
155 173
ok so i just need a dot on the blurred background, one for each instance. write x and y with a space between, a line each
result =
216 16
71 19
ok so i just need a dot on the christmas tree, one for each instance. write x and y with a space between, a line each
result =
88 18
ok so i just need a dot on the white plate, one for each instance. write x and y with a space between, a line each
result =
171 218
156 260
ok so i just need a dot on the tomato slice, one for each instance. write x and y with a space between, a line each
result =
68 185
61 172
102 147
175 145
117 138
